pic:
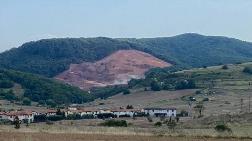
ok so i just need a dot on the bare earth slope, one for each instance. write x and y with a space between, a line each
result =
118 68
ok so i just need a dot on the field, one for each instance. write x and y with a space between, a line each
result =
97 137
227 91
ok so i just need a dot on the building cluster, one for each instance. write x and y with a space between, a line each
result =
96 113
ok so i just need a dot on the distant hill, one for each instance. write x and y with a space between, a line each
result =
195 50
17 86
50 57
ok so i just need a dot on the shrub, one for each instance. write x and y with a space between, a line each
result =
126 91
73 117
248 70
183 113
198 92
222 128
55 118
171 124
51 103
206 99
6 84
115 123
129 107
155 86
158 124
185 84
149 119
40 118
5 121
224 67
26 101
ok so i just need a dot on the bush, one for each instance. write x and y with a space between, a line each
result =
51 103
129 107
40 118
248 70
158 124
6 84
73 117
115 123
183 113
222 128
185 84
26 101
205 99
149 119
126 91
198 92
55 118
171 124
5 121
224 67
155 86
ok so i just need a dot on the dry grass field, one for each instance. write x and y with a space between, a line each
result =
17 136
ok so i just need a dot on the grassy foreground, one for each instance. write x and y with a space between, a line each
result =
25 136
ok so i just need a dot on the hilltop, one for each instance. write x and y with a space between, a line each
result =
50 57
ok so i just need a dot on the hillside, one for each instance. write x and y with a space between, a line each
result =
50 57
115 69
193 50
19 86
219 88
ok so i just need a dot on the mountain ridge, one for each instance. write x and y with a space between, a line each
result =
50 57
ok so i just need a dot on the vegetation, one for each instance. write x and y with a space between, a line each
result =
50 57
199 109
225 67
115 123
158 124
106 92
126 91
16 122
40 89
222 128
248 69
26 101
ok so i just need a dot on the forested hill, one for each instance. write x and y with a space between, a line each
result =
50 57
19 86
195 50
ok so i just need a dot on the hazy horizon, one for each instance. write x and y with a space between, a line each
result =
28 20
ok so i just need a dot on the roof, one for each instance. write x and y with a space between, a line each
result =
18 113
170 108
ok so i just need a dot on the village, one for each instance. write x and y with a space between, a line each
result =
75 112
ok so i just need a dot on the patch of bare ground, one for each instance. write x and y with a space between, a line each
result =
117 68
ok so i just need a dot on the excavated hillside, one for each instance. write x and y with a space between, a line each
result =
117 68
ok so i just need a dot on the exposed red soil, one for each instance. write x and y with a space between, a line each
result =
117 68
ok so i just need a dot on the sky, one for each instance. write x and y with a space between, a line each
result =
28 20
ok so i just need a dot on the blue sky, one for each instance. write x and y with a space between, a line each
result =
27 20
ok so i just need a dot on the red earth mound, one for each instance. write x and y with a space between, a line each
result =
117 68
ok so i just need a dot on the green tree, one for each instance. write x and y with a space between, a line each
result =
26 101
16 122
155 86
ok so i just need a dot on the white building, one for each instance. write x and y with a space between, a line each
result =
157 112
22 116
